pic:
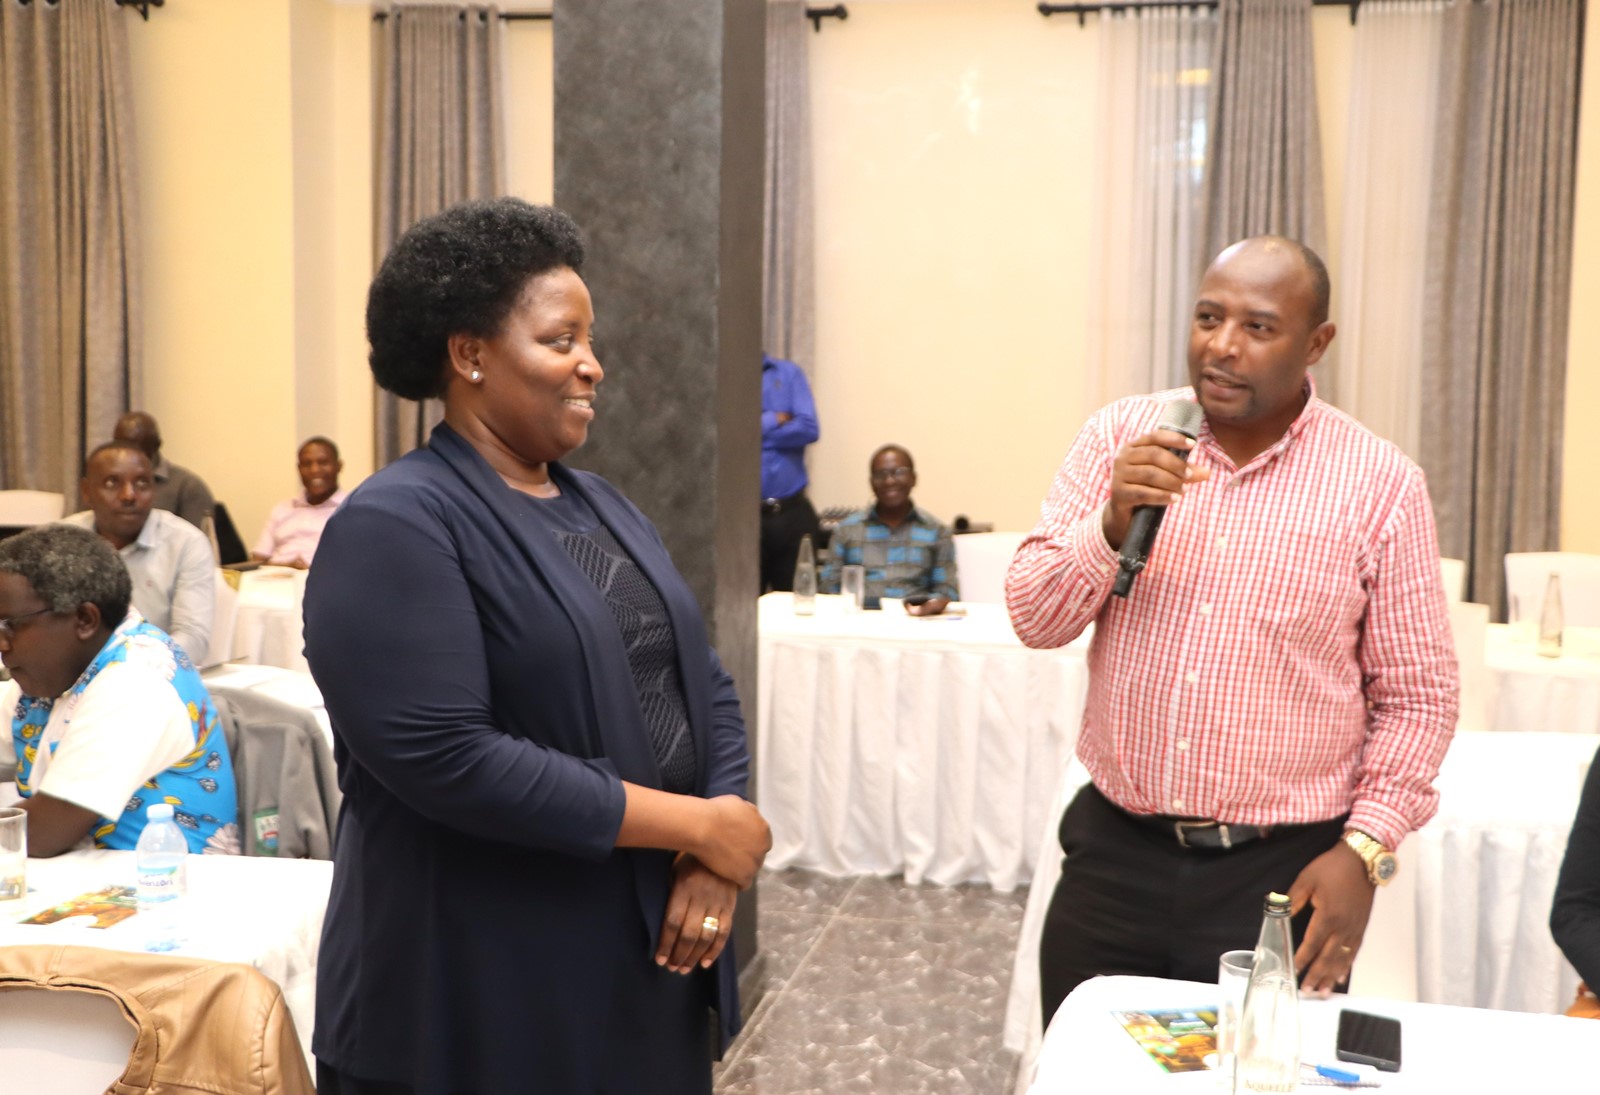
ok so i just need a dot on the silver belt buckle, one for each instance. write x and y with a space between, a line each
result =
1179 827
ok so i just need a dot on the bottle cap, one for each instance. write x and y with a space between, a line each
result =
1278 900
158 811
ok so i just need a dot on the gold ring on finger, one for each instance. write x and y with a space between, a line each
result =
710 925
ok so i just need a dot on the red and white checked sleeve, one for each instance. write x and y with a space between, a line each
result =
1409 667
1064 570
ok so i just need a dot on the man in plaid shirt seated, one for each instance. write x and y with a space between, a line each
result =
1268 707
904 549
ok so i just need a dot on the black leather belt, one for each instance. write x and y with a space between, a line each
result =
778 505
1197 833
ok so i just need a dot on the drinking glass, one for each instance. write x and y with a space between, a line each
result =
13 858
1233 977
853 584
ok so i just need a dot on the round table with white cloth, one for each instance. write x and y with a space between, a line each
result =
1470 907
269 628
892 743
1524 691
266 913
1443 1049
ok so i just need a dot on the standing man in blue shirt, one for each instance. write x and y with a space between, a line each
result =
788 425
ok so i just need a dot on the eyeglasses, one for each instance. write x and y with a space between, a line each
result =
8 628
883 475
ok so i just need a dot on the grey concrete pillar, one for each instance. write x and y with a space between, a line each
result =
659 147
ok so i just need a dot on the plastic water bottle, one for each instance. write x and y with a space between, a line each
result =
1269 1023
162 856
1551 623
805 579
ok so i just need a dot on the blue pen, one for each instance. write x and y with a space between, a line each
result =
1337 1075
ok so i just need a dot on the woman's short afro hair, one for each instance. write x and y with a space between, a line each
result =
458 272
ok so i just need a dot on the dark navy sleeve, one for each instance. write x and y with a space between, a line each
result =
1575 915
396 646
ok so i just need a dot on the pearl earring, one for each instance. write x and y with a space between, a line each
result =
476 375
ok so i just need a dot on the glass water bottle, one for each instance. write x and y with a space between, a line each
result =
1269 1023
805 579
1550 621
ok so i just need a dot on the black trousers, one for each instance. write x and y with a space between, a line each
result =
781 533
1132 900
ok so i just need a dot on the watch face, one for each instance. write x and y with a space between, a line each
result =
1385 866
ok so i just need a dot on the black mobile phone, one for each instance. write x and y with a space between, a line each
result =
1369 1040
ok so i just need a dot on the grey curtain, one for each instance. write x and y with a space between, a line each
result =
1264 156
69 249
439 114
1499 281
788 294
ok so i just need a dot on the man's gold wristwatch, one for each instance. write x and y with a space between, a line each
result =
1380 861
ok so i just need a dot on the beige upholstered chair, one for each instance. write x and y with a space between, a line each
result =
189 1026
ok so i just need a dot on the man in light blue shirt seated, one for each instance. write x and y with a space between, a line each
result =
105 713
169 561
906 551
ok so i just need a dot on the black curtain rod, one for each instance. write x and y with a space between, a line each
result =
143 6
505 16
1083 10
817 15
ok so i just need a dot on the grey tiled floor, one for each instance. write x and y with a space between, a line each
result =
876 986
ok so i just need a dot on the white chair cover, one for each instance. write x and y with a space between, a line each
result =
982 559
1528 574
1469 624
1454 573
30 507
224 616
62 1043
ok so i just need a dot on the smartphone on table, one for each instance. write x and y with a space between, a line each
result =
1368 1039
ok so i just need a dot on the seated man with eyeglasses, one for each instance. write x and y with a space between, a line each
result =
106 714
906 551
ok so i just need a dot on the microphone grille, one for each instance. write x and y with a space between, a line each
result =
1182 416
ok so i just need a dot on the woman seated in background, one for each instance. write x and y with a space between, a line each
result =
543 762
295 525
1575 914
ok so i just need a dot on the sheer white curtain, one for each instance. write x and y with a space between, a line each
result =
1394 104
1154 67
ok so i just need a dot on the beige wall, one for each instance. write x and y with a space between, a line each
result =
953 212
216 151
530 110
952 215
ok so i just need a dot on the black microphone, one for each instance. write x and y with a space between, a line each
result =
1182 416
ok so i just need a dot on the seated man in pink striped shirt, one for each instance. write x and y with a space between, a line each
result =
295 526
1269 705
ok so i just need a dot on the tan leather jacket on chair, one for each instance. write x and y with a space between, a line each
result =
201 1027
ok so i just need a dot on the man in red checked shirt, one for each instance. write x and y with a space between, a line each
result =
1269 706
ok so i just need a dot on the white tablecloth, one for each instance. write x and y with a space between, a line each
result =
1526 692
1477 885
269 628
265 913
1443 1049
892 743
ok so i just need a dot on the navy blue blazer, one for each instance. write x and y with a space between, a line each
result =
484 715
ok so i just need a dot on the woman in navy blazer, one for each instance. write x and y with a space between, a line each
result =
544 828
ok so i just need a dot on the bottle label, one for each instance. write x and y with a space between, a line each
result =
157 884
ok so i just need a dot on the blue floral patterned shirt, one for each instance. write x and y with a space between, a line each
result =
200 786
